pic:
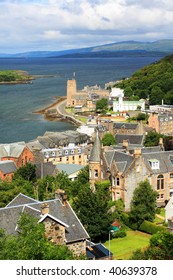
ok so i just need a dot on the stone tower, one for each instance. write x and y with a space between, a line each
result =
71 91
95 162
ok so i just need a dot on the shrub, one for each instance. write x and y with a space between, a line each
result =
120 233
150 228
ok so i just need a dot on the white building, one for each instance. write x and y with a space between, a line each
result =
119 105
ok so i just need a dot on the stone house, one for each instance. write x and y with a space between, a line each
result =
62 226
162 123
126 169
18 152
124 127
7 169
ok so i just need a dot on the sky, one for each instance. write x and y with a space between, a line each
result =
54 25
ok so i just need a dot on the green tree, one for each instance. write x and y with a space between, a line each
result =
102 104
143 204
92 209
31 243
108 139
152 139
27 172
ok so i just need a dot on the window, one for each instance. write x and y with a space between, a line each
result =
171 175
118 181
154 163
160 182
96 173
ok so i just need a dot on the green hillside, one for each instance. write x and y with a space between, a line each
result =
154 82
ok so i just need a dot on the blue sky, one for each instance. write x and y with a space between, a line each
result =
66 24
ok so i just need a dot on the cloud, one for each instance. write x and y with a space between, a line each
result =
60 24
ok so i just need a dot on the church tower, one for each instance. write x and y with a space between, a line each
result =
71 91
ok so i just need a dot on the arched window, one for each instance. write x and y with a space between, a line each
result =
160 182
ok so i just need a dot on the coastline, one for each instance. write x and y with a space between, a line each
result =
56 112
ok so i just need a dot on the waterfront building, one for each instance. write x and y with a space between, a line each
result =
79 97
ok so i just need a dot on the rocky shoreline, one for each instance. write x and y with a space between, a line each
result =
56 112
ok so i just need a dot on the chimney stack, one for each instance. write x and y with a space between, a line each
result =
62 196
137 152
161 143
126 145
44 208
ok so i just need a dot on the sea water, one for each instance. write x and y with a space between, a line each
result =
18 102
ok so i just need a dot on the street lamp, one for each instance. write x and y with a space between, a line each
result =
110 232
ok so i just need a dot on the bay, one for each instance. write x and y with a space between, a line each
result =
18 102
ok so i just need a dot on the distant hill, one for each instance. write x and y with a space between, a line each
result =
160 46
154 81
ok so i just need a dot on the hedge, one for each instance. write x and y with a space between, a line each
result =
150 228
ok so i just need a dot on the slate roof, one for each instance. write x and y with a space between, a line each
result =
132 139
123 160
10 215
69 168
96 149
7 166
125 125
45 168
35 145
154 149
165 159
97 251
12 149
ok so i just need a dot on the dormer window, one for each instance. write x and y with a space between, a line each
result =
154 163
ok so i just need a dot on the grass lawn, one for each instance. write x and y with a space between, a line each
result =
122 248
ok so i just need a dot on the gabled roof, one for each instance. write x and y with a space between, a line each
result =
69 168
12 149
21 199
10 215
7 166
123 160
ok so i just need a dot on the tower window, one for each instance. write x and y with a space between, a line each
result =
96 173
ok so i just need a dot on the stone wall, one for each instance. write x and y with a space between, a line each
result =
78 248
